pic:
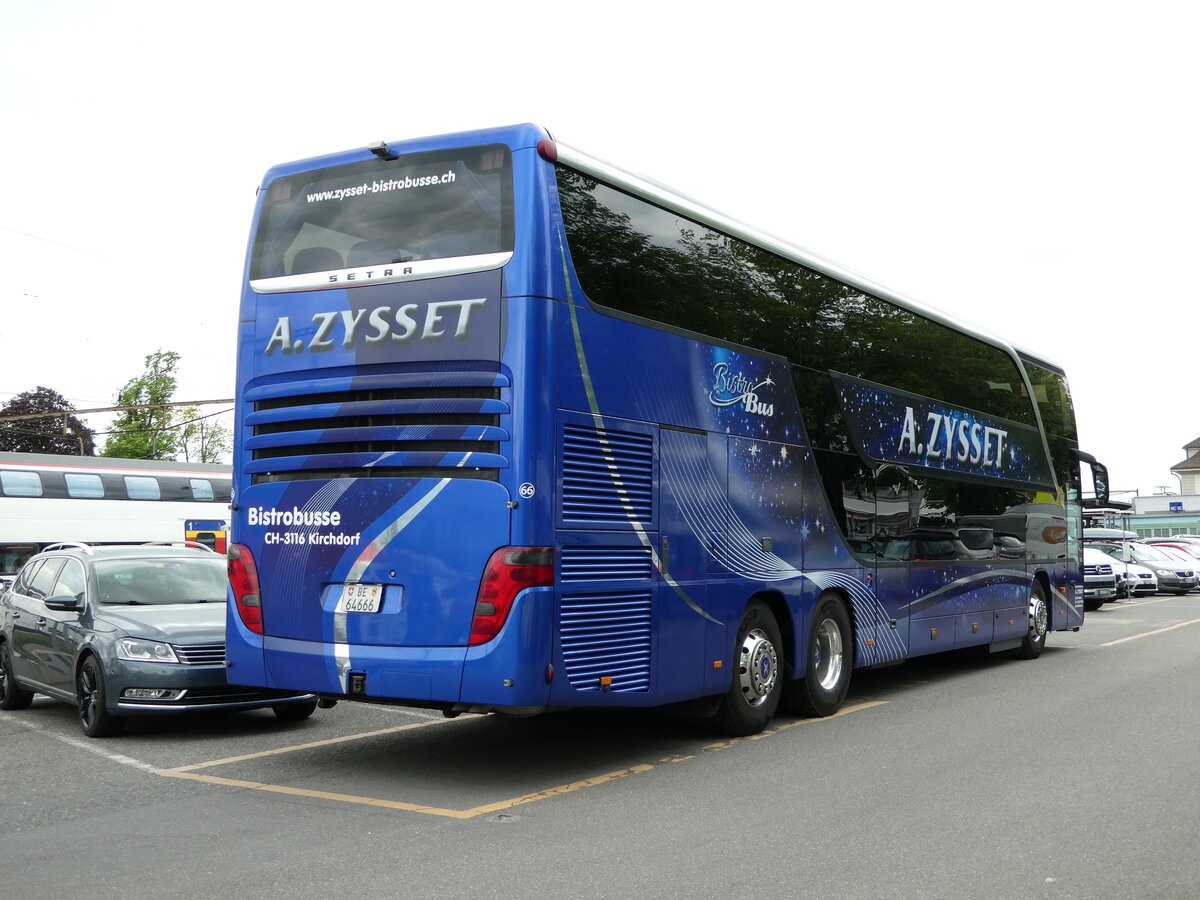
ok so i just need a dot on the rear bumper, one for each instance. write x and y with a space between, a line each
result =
509 671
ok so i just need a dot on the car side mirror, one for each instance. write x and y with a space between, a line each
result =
64 603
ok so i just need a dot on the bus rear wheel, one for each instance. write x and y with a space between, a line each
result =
753 697
822 688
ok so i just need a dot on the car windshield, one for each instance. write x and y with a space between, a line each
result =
1181 551
162 580
1172 554
1146 554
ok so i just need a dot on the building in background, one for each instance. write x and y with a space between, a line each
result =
1164 515
1189 470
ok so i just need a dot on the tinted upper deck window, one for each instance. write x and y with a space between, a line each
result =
635 257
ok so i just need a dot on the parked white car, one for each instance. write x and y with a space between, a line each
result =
1099 579
1132 580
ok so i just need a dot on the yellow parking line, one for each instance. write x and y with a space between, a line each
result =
400 804
189 772
325 743
1134 637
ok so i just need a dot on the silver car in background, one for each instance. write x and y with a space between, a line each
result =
1174 576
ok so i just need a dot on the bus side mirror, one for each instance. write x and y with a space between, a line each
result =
1100 481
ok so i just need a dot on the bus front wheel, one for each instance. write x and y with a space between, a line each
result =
1039 623
822 688
753 696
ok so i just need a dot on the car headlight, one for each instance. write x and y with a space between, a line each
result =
139 650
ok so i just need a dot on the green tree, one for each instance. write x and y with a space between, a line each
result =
62 434
145 430
202 439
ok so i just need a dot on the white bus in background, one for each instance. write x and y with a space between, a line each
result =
46 499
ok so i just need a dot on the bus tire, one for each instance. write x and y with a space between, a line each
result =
753 697
1039 623
12 695
821 690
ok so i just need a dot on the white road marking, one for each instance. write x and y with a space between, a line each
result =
90 747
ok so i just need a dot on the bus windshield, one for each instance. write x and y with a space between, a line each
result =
372 213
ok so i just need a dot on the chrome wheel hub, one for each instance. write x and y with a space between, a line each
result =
1039 616
758 667
828 654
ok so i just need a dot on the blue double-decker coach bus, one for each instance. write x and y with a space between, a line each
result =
518 431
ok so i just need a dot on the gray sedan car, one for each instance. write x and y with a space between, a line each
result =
1175 576
124 631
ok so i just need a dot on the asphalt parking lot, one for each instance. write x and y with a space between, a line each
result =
386 801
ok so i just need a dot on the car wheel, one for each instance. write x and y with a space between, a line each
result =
822 688
754 695
94 717
12 695
1039 623
294 712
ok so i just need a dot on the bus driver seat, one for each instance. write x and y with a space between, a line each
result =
370 253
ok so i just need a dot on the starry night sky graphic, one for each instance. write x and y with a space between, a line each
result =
876 418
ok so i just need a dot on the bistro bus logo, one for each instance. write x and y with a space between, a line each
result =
731 388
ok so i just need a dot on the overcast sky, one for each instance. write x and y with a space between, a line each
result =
1031 167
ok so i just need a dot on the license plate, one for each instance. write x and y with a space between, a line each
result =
360 598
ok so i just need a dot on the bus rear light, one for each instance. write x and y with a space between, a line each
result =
243 580
509 571
548 150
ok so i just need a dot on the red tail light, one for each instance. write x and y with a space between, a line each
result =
243 578
508 572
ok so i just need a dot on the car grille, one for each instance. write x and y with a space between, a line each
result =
201 654
1097 570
